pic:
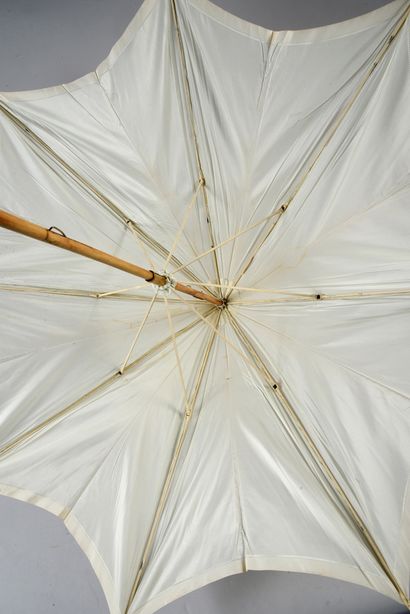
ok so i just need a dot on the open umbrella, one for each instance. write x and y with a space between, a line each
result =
245 404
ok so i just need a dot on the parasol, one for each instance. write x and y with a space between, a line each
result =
244 405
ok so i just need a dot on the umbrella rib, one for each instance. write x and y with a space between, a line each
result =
228 240
185 219
260 367
263 290
51 236
328 357
138 333
119 294
116 294
163 499
293 297
85 183
218 332
289 297
330 132
144 161
48 290
188 96
178 237
11 445
141 243
178 359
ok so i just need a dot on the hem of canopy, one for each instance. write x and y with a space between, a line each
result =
77 531
256 562
311 35
320 567
91 77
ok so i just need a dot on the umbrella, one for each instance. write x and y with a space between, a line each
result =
245 404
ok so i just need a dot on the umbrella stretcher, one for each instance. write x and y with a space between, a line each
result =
247 408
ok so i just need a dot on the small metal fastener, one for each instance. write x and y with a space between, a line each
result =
56 230
152 275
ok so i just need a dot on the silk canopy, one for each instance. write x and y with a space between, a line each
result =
182 441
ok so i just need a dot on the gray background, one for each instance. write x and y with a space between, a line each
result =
42 570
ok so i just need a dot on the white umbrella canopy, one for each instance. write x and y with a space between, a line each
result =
179 440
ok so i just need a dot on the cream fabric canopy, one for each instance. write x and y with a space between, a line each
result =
180 441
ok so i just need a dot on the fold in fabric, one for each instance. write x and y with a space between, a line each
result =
302 139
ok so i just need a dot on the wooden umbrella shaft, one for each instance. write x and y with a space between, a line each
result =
24 227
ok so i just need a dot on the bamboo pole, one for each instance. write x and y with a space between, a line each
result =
24 227
90 188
